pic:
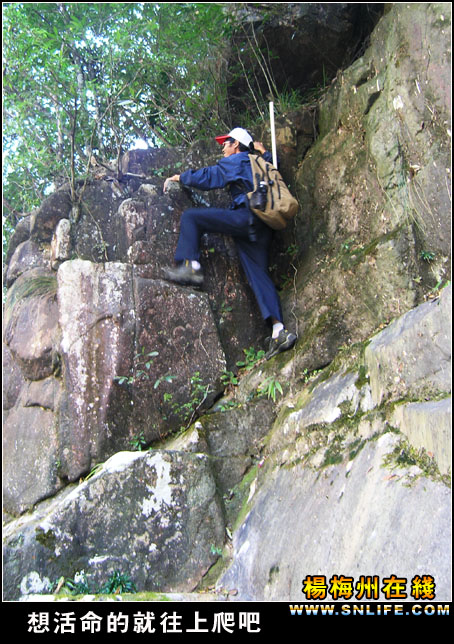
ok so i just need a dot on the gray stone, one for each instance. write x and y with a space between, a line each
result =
235 440
31 327
60 248
26 256
412 356
354 519
169 329
31 462
428 425
96 316
323 404
152 515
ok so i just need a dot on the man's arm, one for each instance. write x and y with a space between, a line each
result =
176 177
208 178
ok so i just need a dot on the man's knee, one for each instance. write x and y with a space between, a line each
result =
189 218
188 214
194 215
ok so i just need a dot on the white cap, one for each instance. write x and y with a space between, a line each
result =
238 134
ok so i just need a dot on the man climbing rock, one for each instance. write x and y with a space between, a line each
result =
251 235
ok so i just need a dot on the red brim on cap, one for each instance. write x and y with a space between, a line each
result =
222 139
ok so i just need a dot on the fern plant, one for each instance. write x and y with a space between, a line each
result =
270 387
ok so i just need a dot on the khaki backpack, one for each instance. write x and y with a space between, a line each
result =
270 200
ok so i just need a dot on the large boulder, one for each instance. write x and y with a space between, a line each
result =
131 358
373 233
309 42
96 316
354 519
154 516
356 467
125 342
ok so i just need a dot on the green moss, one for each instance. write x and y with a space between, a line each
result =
145 596
406 456
237 506
350 255
363 377
46 539
355 448
335 452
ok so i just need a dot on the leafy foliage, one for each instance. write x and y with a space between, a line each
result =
270 387
251 358
83 81
118 582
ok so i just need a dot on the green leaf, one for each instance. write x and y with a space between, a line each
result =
119 63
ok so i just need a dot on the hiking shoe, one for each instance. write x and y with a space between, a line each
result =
184 274
285 340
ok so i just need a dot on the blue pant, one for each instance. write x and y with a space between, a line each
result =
253 254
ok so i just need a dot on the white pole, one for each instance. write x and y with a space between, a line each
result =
273 135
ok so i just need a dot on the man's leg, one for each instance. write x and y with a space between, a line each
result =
254 258
197 221
194 223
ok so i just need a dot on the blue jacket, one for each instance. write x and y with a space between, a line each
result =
233 172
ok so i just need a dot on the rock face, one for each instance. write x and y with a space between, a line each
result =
157 511
345 440
399 356
309 41
117 317
372 233
339 528
354 495
111 353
